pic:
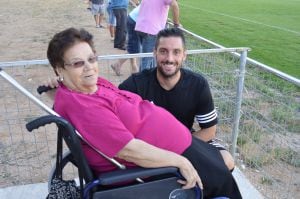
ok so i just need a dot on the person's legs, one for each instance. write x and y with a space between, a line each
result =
101 15
134 67
97 20
147 41
89 5
123 27
216 178
111 23
133 46
120 36
95 12
118 32
112 31
117 66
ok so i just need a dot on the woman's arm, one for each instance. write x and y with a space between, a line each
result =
149 156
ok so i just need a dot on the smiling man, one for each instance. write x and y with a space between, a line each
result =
182 92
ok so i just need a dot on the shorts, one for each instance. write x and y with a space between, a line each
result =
215 176
98 9
111 19
216 144
133 45
213 142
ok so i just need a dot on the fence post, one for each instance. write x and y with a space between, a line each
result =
239 95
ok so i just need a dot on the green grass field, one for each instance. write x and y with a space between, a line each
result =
271 28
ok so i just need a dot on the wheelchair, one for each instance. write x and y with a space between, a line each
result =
133 183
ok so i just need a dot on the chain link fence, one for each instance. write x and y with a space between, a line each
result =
268 145
28 157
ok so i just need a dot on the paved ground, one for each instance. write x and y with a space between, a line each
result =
37 191
28 25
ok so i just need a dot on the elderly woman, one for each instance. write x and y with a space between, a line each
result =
125 127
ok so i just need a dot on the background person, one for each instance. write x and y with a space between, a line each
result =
182 92
133 45
100 112
111 21
89 2
119 8
98 9
152 18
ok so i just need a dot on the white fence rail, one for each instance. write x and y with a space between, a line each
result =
268 145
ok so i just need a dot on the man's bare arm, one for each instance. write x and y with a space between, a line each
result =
206 134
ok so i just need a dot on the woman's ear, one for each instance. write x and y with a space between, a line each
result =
59 73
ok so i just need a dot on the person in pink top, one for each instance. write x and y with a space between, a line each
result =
123 126
152 18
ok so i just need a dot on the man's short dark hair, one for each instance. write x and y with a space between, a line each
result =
170 32
62 41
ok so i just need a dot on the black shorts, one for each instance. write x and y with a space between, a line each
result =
216 144
213 142
216 178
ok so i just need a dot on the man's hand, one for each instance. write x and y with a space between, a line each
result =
52 83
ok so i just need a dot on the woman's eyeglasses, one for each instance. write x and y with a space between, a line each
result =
81 63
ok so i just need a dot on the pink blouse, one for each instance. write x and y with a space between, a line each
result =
110 118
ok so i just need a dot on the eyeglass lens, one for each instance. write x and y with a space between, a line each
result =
81 63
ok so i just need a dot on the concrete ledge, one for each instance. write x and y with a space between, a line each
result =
32 191
247 190
40 190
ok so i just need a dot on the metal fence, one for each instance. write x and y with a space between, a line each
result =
28 157
268 142
268 145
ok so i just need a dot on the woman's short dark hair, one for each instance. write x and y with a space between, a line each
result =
62 41
170 32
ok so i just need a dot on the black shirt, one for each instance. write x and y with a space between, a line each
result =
190 98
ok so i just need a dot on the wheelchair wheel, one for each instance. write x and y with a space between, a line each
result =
67 161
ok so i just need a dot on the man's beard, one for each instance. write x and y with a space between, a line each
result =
163 73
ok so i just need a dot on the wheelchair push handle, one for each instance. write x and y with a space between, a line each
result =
42 121
43 89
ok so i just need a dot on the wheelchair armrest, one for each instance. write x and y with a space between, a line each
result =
119 176
44 120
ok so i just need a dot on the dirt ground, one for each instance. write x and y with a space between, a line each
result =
28 25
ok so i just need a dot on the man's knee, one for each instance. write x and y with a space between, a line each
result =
228 159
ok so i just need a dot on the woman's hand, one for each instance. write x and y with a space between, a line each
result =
190 174
146 155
